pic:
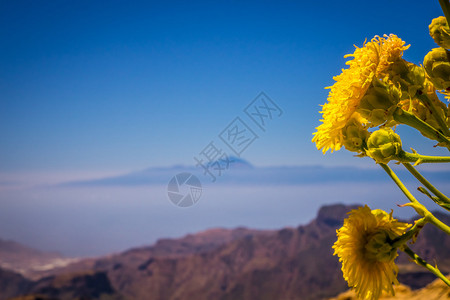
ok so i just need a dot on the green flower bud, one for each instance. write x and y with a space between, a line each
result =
437 66
423 112
407 75
440 32
355 135
384 145
379 103
378 248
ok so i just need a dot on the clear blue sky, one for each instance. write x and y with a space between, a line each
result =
124 85
96 87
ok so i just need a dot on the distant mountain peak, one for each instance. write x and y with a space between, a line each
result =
333 215
231 162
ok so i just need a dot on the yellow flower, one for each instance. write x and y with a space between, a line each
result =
369 62
365 253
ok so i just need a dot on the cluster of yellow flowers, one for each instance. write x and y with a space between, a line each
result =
378 91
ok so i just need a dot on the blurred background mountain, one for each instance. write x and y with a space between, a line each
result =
241 263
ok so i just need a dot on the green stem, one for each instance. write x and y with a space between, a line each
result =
418 207
402 187
426 129
445 5
429 104
418 260
427 193
426 183
437 200
406 157
438 223
411 234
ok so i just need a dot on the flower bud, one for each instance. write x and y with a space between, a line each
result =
408 77
355 135
379 103
437 66
384 145
440 32
421 111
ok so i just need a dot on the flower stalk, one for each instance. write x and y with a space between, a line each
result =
418 207
421 262
435 199
430 105
410 234
426 183
406 157
404 117
445 5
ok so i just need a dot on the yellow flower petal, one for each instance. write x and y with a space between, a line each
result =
369 62
367 275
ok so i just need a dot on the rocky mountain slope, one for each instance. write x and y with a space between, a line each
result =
28 261
437 290
291 263
12 284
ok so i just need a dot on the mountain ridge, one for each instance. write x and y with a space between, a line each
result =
27 261
230 264
242 172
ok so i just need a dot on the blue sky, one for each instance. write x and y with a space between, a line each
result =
92 86
95 88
